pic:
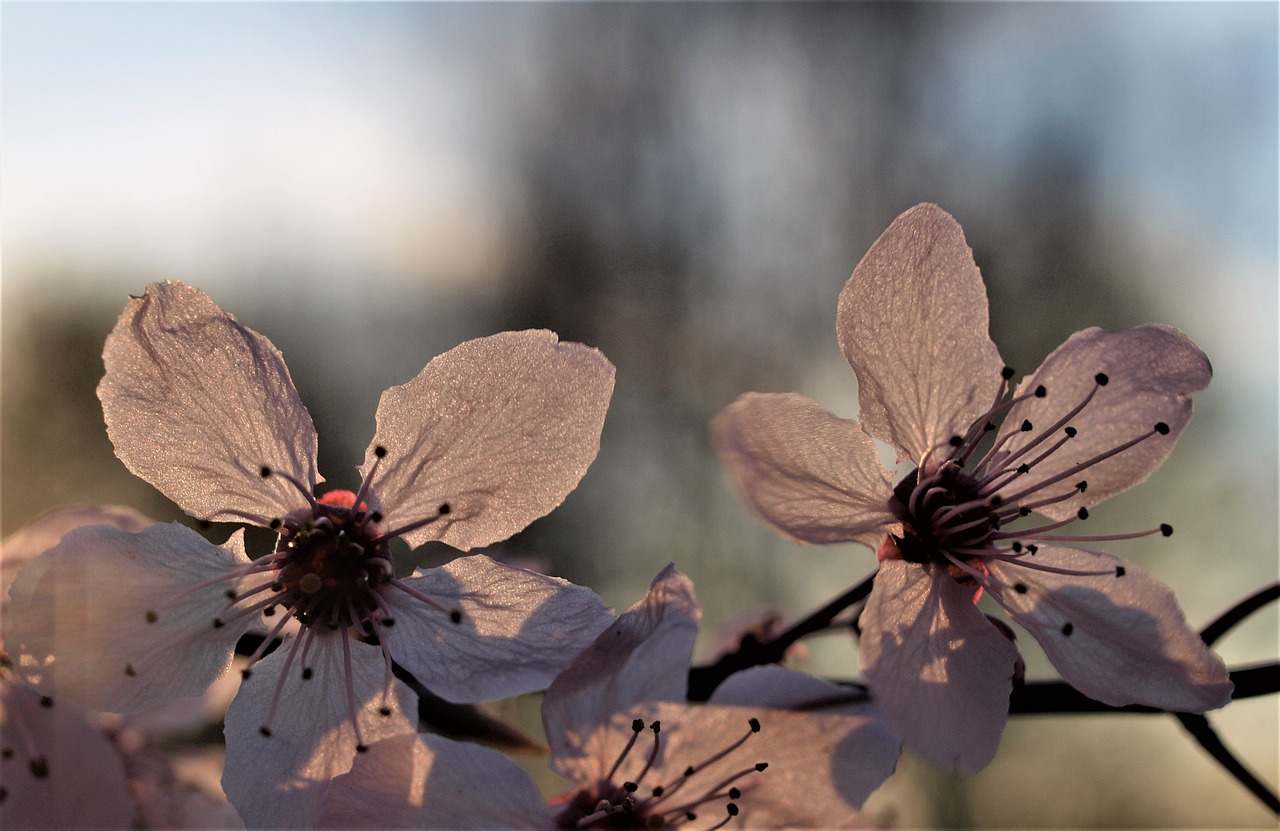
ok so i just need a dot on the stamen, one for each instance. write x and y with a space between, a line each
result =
1072 471
637 727
443 510
455 615
379 453
352 712
266 472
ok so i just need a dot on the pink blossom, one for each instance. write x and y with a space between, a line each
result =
771 748
1099 415
488 437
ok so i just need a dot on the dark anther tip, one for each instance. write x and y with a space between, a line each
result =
761 765
40 767
1101 378
656 727
265 731
264 471
1020 588
630 787
362 748
1119 571
275 524
380 451
1166 529
455 616
1083 513
1006 373
217 623
688 771
246 674
956 441
1070 431
130 671
46 701
637 725
996 500
387 621
1082 485
1041 392
733 809
376 516
1026 426
307 673
384 711
444 508
1024 468
1162 428
1067 629
229 594
754 723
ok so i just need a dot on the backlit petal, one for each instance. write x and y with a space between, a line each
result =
78 616
643 657
1118 637
912 321
432 782
197 405
280 780
807 473
500 429
517 629
1151 372
939 670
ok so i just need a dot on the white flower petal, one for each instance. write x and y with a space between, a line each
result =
44 532
517 629
500 429
1118 637
912 321
864 749
82 779
1151 372
280 780
808 474
643 657
939 670
198 405
78 616
432 782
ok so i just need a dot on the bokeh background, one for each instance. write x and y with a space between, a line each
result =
686 187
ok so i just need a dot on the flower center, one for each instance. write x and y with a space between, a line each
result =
956 514
678 801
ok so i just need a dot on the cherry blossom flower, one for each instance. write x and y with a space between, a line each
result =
1099 415
772 747
488 437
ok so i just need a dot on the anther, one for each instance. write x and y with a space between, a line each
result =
630 787
734 793
130 671
380 451
265 731
229 594
307 673
362 748
956 441
1101 378
1020 588
1119 571
754 724
264 472
7 753
246 673
444 508
217 623
761 765
1026 426
1082 485
384 711
275 524
1083 513
46 701
455 616
151 616
1024 468
40 767
733 809
1067 629
637 725
1006 373
1162 428
1041 392
376 516
1166 529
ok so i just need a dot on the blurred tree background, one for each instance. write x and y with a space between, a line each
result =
686 187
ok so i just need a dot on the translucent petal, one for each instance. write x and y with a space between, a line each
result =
82 782
44 532
808 474
939 670
840 724
280 780
1118 637
517 629
643 657
198 405
500 429
78 616
912 321
1151 372
432 782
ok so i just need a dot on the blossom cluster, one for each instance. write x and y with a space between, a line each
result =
335 642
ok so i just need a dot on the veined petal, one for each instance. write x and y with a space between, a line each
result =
516 631
432 782
60 770
912 322
939 670
500 429
280 780
1151 372
44 532
1118 637
807 473
831 724
198 405
643 657
104 602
